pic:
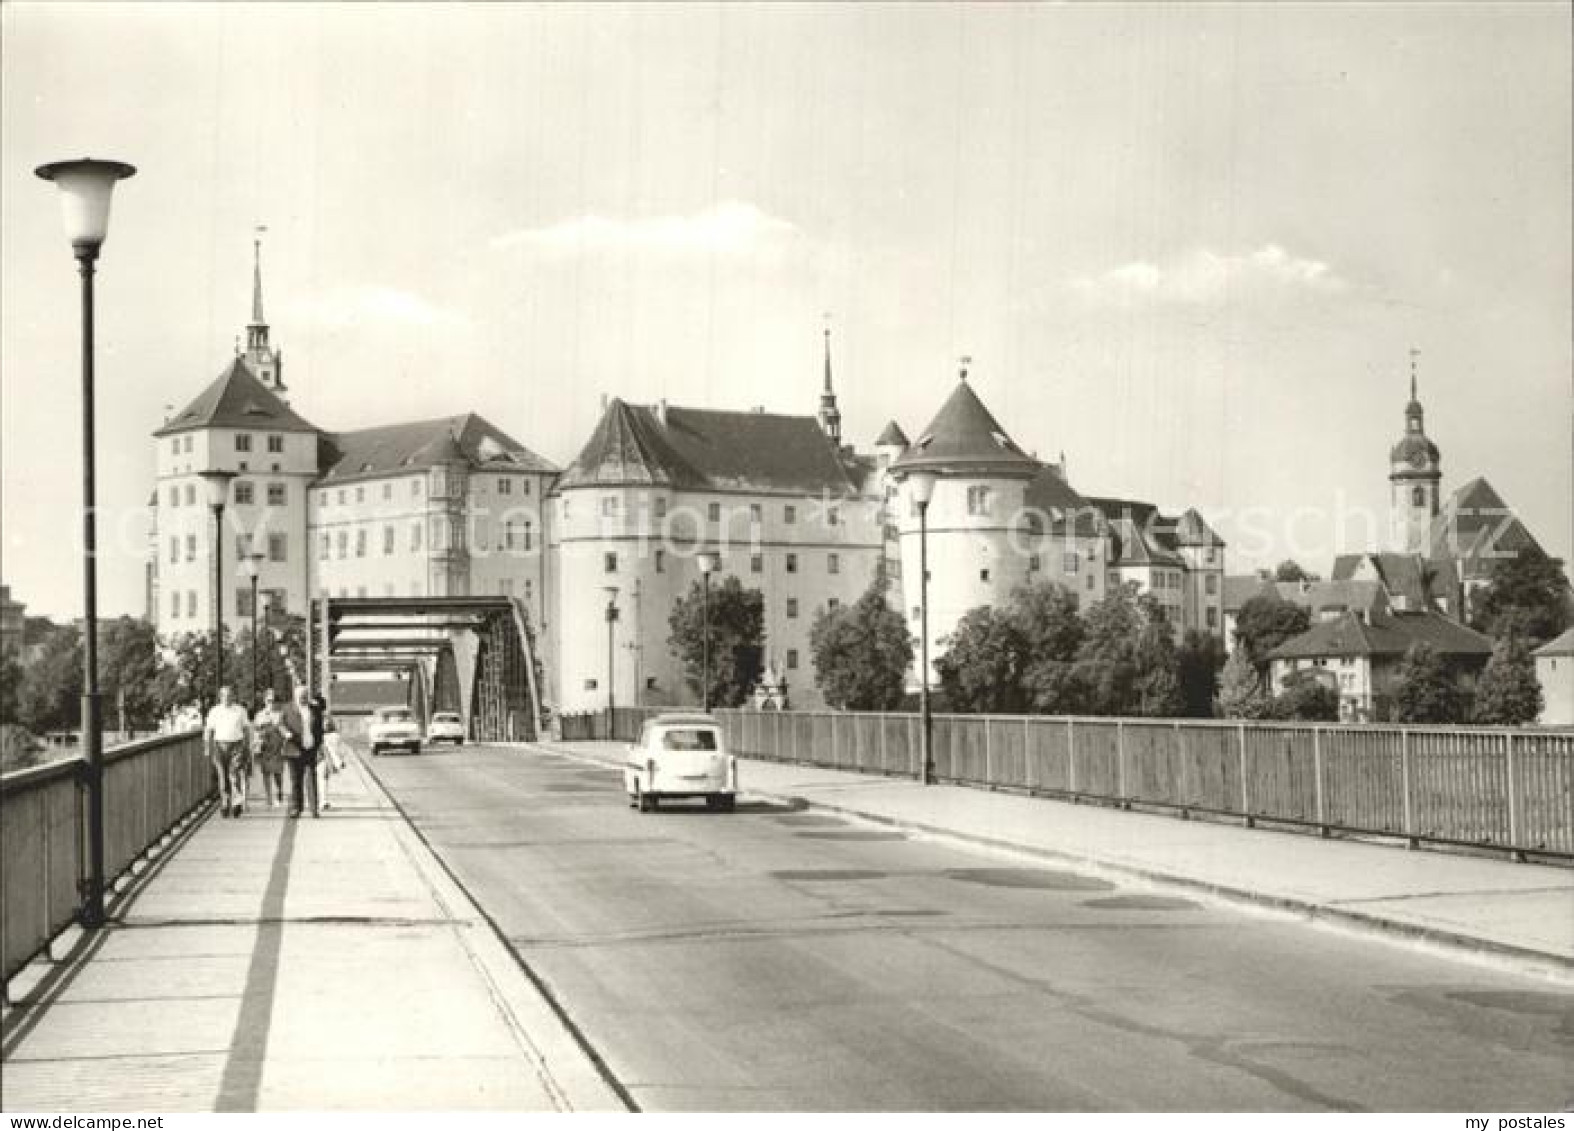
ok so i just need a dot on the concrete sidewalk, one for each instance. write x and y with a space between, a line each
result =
273 964
1521 915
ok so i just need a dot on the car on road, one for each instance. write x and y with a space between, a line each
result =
446 726
394 727
680 756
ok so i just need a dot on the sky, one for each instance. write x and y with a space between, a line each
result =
1190 247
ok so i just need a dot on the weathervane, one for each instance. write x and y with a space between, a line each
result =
965 361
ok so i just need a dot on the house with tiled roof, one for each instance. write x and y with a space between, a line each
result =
1360 654
1555 672
1323 600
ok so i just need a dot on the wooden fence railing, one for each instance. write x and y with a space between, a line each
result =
1506 788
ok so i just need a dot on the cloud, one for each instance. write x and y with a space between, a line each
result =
1204 277
730 227
345 307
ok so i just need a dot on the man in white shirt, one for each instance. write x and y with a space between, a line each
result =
227 737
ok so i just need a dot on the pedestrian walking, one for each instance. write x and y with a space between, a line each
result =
227 738
270 735
332 760
303 732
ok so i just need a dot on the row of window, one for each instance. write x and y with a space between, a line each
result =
612 507
418 589
516 536
833 562
243 442
278 547
244 493
183 602
343 495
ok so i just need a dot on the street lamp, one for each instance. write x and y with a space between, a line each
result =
921 487
253 566
85 189
709 562
612 619
218 484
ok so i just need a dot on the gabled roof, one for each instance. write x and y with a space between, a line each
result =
1407 576
236 399
1142 535
1384 634
370 453
702 449
1558 646
1477 526
1192 530
1317 597
892 436
964 437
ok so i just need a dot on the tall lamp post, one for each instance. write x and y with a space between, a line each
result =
218 484
612 620
921 487
252 563
709 563
85 189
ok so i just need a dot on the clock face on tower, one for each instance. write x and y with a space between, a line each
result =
1418 459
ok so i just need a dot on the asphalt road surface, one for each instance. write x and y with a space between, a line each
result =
780 959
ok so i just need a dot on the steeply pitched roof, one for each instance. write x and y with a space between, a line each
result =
236 399
1477 527
1049 493
702 449
1192 530
964 436
1142 535
1384 634
892 436
394 448
1558 646
1409 577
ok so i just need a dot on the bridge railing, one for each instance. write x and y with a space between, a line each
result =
1509 788
149 786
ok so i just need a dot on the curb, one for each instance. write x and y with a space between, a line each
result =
568 1068
1449 944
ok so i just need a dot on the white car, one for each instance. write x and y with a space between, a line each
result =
680 756
446 727
394 726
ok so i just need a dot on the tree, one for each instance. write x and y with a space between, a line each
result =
862 653
1241 693
1527 596
50 697
1127 664
18 748
1198 661
280 655
1049 621
1508 693
193 675
10 688
1426 690
1305 699
1290 570
737 640
1265 622
129 666
984 660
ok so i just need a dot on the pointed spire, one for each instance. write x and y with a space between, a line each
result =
256 276
964 361
830 415
1414 354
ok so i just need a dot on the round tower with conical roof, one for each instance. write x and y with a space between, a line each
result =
974 515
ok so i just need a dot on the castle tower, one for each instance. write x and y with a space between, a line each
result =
1415 479
830 415
267 363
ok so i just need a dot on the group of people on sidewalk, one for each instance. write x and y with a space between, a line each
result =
299 735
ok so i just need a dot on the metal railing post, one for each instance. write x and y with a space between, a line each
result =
1185 773
1246 800
1317 783
1071 758
1512 787
1027 753
1404 782
989 776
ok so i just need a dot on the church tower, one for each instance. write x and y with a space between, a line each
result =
1415 479
830 415
267 363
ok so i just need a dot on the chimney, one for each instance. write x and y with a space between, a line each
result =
661 411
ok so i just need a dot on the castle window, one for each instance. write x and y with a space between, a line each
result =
713 512
978 501
756 563
191 602
661 506
242 547
388 540
789 514
244 494
1092 581
1071 563
191 494
792 608
609 506
1212 584
174 550
276 494
529 537
833 604
174 496
387 492
792 563
276 443
191 547
505 485
415 486
609 563
1418 496
983 575
360 543
343 497
360 494
342 544
415 536
792 659
661 561
243 441
833 563
833 516
756 513
174 603
1032 562
324 547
